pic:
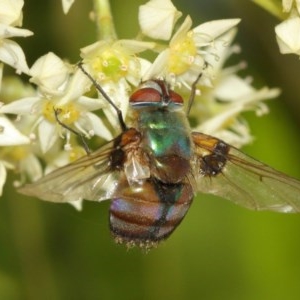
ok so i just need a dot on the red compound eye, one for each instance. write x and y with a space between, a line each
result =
175 98
145 95
155 91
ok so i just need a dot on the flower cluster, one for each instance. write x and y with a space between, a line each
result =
287 32
37 123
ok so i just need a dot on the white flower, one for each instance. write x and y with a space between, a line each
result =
218 109
22 161
110 61
226 123
157 18
288 36
184 59
116 67
74 108
10 52
15 153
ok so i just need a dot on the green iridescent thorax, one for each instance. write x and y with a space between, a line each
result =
165 132
166 137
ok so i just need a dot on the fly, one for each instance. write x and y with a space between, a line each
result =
153 169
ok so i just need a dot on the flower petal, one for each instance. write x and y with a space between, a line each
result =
158 67
91 104
78 84
10 135
77 204
182 30
47 135
157 18
50 73
225 92
9 31
12 54
32 166
132 46
67 5
288 36
20 107
98 126
11 12
213 29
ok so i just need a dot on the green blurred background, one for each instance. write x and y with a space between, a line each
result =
220 251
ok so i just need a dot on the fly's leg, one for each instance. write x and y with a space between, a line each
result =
57 111
194 88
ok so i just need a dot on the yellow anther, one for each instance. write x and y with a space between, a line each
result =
67 114
182 55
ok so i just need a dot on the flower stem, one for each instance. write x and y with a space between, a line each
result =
104 20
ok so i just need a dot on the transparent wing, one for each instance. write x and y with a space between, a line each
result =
244 180
90 178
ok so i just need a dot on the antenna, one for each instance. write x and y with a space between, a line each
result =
105 96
